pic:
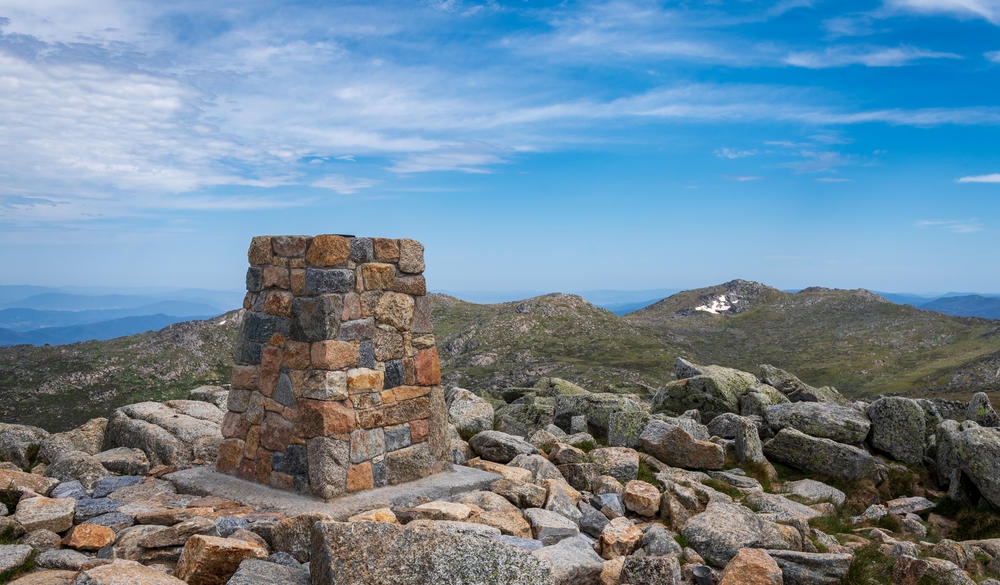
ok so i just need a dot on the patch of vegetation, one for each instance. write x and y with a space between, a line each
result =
869 567
762 473
10 498
647 473
721 486
831 524
974 522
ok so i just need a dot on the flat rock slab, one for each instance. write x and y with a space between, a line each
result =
441 486
363 553
13 556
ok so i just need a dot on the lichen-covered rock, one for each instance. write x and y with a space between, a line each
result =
573 561
913 571
558 387
782 508
625 427
172 433
981 411
13 556
87 437
675 446
661 570
364 553
469 413
124 461
294 535
77 465
524 417
814 492
620 463
755 400
843 424
898 428
749 448
715 391
846 462
550 527
19 444
540 467
259 572
500 447
722 529
797 390
804 568
978 454
596 407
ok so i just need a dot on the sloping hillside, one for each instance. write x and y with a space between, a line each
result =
59 387
852 339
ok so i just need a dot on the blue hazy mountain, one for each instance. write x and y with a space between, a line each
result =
987 307
50 315
97 331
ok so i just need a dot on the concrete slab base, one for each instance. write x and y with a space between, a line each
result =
204 481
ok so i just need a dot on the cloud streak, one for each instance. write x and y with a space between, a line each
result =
951 225
991 178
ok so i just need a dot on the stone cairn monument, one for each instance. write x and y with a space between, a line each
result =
336 384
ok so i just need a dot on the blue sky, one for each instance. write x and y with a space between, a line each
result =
529 145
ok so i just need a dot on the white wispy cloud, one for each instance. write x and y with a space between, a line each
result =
993 56
952 225
747 178
867 56
991 178
985 9
832 180
344 185
734 153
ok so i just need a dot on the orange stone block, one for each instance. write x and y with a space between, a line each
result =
404 393
324 418
359 477
252 442
377 276
297 280
263 471
260 251
334 355
244 377
428 367
230 452
352 307
270 369
278 302
296 355
386 250
328 250
89 537
365 380
419 430
234 426
277 277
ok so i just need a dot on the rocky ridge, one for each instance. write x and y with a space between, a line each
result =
743 477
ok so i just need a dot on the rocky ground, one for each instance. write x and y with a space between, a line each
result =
725 477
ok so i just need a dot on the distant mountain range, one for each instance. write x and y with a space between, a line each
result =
855 340
39 315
